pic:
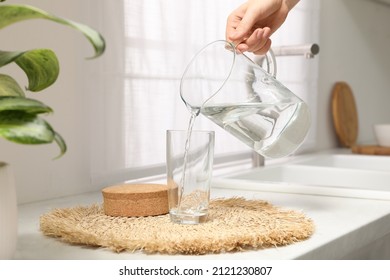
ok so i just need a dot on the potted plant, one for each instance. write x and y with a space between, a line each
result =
21 116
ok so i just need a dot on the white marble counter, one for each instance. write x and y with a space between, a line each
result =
345 228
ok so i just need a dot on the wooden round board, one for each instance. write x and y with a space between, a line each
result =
344 112
371 150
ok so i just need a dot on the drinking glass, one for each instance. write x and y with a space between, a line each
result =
189 170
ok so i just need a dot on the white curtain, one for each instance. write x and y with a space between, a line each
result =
135 96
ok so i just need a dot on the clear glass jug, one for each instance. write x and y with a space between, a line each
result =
237 94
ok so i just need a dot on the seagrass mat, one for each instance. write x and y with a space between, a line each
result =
234 224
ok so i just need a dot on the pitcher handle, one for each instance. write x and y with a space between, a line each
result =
271 63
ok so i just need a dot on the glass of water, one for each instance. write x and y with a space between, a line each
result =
190 157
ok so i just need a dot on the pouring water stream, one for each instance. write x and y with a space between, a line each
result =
195 111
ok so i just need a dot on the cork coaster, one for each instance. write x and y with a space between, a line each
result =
234 224
135 200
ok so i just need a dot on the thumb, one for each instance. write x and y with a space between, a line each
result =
243 27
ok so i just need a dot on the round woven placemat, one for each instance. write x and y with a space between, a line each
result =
234 224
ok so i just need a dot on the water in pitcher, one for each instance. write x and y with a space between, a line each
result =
272 130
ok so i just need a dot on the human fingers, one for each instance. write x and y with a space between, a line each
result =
239 43
244 21
254 13
232 23
256 40
264 40
264 49
241 47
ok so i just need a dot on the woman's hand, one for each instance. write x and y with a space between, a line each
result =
250 26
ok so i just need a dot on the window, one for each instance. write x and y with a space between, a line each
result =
136 94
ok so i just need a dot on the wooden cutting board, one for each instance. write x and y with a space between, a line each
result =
344 113
346 123
371 150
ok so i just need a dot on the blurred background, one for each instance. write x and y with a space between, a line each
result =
113 111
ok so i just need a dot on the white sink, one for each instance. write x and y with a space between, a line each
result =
365 162
324 174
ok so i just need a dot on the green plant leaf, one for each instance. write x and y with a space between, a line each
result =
61 144
8 57
24 128
9 87
41 67
10 14
27 105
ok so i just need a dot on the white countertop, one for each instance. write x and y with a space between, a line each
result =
343 226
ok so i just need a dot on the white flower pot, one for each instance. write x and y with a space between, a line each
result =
8 212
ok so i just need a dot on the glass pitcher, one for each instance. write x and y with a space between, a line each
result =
237 94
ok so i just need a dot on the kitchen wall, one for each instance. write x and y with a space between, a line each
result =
38 176
354 41
355 47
